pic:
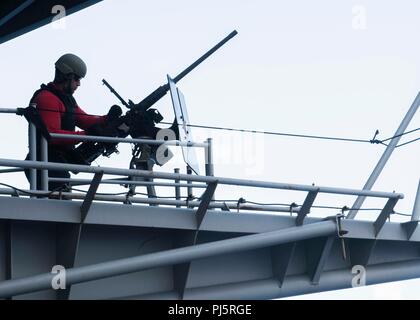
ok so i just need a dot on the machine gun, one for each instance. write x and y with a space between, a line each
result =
140 120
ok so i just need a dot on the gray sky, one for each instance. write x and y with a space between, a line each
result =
334 68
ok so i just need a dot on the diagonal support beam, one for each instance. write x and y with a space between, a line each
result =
169 257
67 245
361 250
320 256
182 271
84 209
15 12
416 208
205 201
306 207
281 256
384 215
410 227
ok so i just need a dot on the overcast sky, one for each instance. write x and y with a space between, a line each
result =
333 68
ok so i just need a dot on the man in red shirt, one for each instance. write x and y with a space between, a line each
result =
60 113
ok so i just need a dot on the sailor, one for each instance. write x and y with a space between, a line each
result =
60 113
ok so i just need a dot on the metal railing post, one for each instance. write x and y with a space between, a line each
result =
44 158
32 156
189 189
209 158
177 188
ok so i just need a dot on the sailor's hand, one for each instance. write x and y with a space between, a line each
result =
114 112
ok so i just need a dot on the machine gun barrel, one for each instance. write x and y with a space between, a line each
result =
115 93
205 56
160 92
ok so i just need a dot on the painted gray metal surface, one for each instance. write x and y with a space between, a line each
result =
178 219
165 258
114 251
113 232
32 155
295 285
44 157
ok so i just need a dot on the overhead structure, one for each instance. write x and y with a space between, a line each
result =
18 17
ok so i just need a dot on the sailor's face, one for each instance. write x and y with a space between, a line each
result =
74 84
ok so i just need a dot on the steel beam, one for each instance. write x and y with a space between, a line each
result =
281 256
67 240
318 251
169 257
87 202
410 227
297 284
384 215
182 271
416 208
360 251
385 156
306 207
15 12
204 204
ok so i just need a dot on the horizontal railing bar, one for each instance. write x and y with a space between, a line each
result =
187 177
137 183
128 140
8 110
11 170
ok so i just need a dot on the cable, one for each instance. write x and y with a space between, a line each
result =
401 214
373 141
242 130
31 193
405 143
276 133
125 193
402 134
101 194
242 200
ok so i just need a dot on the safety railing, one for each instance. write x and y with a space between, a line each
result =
177 180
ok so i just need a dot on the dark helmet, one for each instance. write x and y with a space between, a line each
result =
70 63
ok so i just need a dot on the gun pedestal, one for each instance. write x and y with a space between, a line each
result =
142 160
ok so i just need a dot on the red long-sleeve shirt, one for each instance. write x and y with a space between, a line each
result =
51 109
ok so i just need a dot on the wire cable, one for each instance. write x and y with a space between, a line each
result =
401 214
405 143
372 141
276 133
400 135
125 193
